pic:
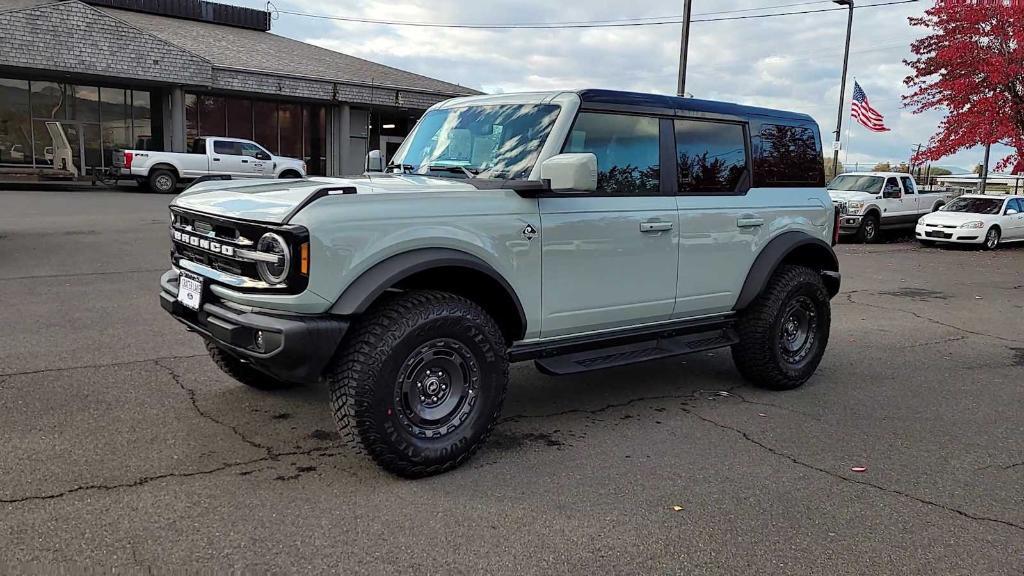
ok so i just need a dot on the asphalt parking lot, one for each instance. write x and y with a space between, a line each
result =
125 448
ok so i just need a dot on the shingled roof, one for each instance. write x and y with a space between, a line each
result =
239 48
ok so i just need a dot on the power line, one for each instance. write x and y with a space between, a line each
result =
635 22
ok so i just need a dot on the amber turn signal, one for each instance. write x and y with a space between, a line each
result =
304 259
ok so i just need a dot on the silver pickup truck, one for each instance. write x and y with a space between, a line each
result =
162 171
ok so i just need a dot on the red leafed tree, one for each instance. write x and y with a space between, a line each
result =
971 65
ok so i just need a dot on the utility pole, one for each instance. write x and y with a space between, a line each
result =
842 87
684 48
916 152
984 170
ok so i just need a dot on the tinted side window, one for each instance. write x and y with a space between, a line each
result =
712 156
199 146
627 150
1015 204
891 185
908 185
789 156
226 147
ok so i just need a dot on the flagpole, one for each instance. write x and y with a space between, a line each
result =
842 87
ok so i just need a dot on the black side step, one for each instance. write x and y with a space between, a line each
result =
637 352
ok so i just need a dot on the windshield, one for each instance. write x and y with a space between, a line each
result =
487 141
975 205
872 184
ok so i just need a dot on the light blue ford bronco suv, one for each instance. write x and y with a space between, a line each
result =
581 230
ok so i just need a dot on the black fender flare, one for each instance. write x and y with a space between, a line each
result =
776 252
385 274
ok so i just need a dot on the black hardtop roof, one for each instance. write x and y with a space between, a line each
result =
639 99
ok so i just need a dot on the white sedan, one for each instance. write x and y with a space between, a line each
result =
975 219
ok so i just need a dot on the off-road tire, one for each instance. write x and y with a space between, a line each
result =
990 243
759 355
370 378
868 232
289 175
243 372
158 179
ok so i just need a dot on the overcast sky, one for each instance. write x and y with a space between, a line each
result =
790 62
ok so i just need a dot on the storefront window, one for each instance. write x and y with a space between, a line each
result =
212 117
84 103
291 130
314 139
265 125
239 116
117 122
191 119
47 100
15 122
142 127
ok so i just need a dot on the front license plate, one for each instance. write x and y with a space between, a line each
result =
932 234
190 290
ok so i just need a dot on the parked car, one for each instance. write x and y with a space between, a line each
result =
976 219
581 230
162 171
870 202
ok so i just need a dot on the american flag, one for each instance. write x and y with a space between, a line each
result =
862 111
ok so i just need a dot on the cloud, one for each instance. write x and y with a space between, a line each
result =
791 62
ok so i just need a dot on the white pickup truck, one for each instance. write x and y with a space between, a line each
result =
869 202
162 171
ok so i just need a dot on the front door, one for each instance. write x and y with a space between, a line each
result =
255 161
1014 223
227 158
610 257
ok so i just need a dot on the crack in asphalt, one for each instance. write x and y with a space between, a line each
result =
893 491
80 274
771 450
934 342
195 405
849 298
269 453
86 366
273 456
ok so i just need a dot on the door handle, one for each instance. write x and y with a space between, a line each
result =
655 226
245 161
216 159
749 221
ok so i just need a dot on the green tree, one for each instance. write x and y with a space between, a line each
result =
882 167
903 167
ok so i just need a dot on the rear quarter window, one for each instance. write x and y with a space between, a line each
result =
789 156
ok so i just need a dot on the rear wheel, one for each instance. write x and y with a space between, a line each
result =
991 239
162 181
868 232
290 174
241 371
419 383
783 334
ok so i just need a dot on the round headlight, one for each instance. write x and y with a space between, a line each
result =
271 243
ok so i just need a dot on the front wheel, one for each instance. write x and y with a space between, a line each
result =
783 334
991 239
868 231
419 382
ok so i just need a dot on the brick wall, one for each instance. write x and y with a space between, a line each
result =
74 37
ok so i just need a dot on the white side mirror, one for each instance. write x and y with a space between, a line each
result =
570 172
374 162
1011 212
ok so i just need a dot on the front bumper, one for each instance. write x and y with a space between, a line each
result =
849 223
296 348
952 235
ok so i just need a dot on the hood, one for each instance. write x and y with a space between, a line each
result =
276 201
953 218
848 195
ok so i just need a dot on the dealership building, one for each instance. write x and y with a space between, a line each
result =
156 74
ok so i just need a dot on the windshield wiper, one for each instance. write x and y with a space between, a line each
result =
469 172
402 168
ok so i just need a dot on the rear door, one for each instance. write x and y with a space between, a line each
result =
895 210
226 158
719 224
610 257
